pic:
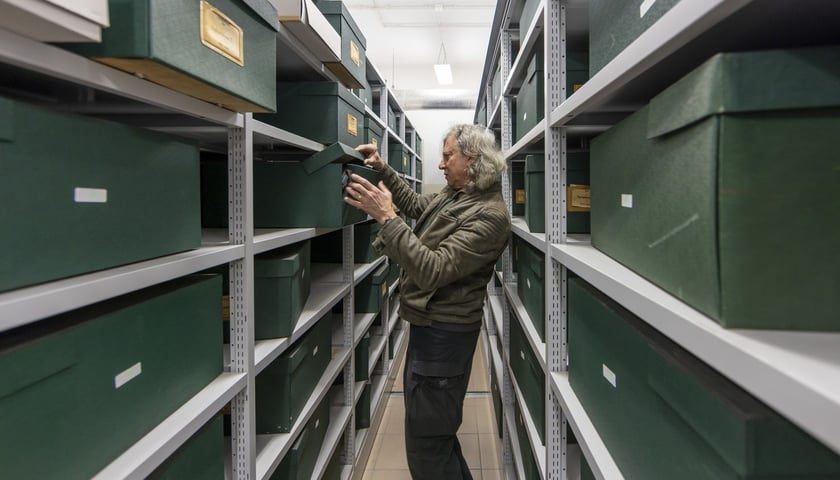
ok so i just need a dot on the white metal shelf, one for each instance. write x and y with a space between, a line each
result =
331 272
520 228
266 239
521 316
518 466
29 304
272 448
377 346
265 134
596 453
536 133
339 419
361 324
795 373
528 44
149 452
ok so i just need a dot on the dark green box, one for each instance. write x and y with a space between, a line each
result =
517 186
393 123
577 192
650 399
325 112
202 457
130 362
526 453
577 70
496 394
108 196
284 387
299 462
281 287
529 10
418 148
690 191
529 374
418 169
534 185
530 101
335 467
363 409
398 158
615 25
530 284
351 71
362 358
373 132
363 236
393 272
585 471
221 51
372 291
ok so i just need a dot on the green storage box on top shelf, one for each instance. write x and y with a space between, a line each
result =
372 291
300 461
615 25
373 132
528 374
517 187
128 362
352 70
526 452
691 191
363 408
577 192
362 358
281 287
112 194
325 112
398 158
283 387
202 457
664 414
530 284
220 51
530 101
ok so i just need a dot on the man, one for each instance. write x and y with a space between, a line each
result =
447 261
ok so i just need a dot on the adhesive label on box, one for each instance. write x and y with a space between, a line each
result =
90 195
520 196
315 351
375 143
627 200
522 354
578 198
609 375
352 125
528 282
354 54
220 34
128 375
645 6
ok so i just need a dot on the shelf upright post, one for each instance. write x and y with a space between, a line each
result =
555 211
507 264
347 267
241 232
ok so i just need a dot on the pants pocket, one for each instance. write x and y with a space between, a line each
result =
435 406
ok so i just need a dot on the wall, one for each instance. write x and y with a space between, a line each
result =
432 125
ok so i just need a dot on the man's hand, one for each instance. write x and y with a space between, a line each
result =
373 200
372 157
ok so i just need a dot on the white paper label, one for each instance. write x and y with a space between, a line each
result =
627 200
128 375
609 375
645 6
522 354
528 282
315 351
317 422
525 116
90 195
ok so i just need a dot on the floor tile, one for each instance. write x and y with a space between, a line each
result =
492 474
391 455
470 449
489 448
390 475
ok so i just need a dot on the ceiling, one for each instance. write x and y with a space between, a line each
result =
404 40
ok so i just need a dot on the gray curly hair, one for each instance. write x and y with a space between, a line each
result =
480 143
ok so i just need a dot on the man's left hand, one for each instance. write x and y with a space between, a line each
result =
371 199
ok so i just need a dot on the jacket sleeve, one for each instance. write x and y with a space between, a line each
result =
477 241
404 197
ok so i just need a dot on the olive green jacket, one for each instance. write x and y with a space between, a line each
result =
446 267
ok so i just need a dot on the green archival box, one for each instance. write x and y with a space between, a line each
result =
284 387
372 291
701 191
529 461
530 101
324 112
398 158
86 385
496 394
650 399
113 194
577 192
615 25
530 285
281 287
202 457
528 374
352 70
517 185
373 132
299 462
362 358
220 51
363 408
363 236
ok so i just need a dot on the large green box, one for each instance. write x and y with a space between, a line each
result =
221 51
530 284
363 236
96 196
577 70
530 101
362 358
585 471
615 25
577 192
202 457
496 395
372 291
692 191
534 187
284 387
649 399
352 70
363 408
281 287
299 462
325 112
526 452
517 186
398 158
528 374
86 385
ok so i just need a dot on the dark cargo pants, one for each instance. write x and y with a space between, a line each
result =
437 371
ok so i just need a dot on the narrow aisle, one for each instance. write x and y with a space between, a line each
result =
478 435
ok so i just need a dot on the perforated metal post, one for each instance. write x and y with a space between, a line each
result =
347 269
241 230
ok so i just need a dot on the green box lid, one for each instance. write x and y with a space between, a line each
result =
371 124
379 275
749 82
534 163
266 11
334 7
335 153
283 262
315 89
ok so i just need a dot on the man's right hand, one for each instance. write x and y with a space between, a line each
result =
372 157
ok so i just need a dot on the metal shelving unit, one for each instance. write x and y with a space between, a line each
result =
795 373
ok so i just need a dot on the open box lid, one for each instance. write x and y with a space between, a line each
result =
335 153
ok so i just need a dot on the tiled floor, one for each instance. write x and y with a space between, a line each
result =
478 435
